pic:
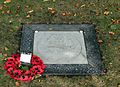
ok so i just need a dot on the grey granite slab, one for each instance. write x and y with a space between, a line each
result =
66 49
60 47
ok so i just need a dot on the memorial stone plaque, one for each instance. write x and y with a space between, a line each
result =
64 49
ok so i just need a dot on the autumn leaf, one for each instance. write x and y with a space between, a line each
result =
106 13
52 10
82 6
111 33
3 12
7 1
5 55
75 14
8 12
100 41
1 7
17 83
6 49
77 5
118 9
66 13
28 16
30 11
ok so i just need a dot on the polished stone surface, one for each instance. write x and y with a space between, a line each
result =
60 47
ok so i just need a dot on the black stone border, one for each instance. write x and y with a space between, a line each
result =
94 66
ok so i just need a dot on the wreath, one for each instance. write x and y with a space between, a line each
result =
15 70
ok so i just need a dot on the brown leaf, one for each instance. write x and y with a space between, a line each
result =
111 33
115 21
63 14
106 13
52 10
3 12
30 11
66 13
100 41
7 1
76 5
118 9
46 75
8 12
1 7
28 16
17 83
5 55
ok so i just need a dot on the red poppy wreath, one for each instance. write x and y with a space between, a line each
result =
14 70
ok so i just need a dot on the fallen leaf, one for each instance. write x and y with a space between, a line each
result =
111 33
28 16
27 6
117 21
6 49
63 13
100 41
5 6
118 9
76 5
3 12
106 13
118 85
10 21
82 6
5 55
51 10
7 1
1 7
66 13
113 21
75 14
8 12
46 75
30 11
39 80
17 83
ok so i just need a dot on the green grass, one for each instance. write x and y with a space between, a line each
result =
86 12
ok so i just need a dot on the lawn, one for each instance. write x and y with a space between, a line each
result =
105 14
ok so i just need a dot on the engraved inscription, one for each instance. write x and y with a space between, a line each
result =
60 47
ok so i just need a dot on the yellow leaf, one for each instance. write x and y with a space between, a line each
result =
83 5
30 11
6 49
106 13
28 16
